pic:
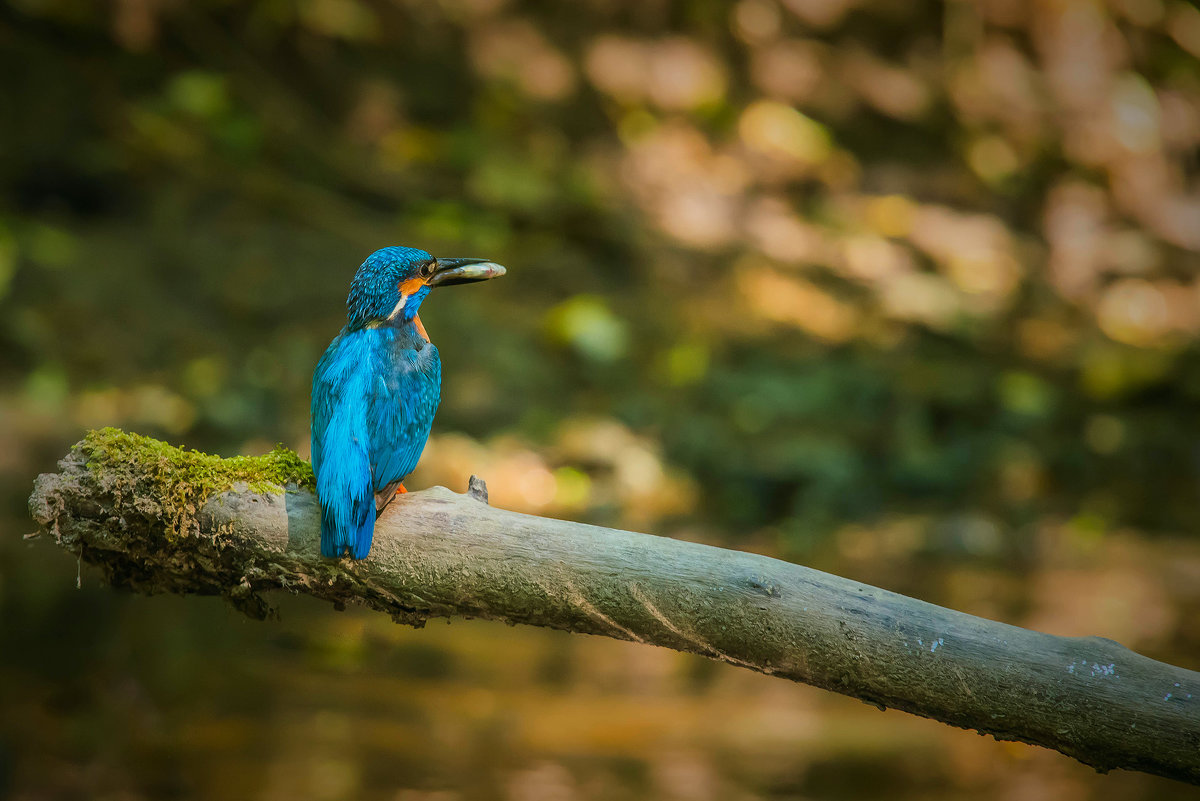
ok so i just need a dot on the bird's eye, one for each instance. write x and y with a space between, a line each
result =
427 269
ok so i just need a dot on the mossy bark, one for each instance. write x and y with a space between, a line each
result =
440 554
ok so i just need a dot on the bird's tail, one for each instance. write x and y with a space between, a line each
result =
347 502
362 537
353 531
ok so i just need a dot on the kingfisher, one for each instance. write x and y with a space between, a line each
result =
376 389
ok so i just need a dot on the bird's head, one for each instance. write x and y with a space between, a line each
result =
392 282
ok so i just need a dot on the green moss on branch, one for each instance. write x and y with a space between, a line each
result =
180 481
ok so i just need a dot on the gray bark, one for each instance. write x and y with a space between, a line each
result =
439 554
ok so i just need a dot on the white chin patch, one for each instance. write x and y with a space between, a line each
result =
399 308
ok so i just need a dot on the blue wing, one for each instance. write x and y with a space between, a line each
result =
373 402
402 408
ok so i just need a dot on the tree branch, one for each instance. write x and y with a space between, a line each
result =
438 554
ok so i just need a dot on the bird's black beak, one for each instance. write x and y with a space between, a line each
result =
464 271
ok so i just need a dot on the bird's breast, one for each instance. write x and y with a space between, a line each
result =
411 356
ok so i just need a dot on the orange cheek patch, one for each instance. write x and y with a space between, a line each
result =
411 286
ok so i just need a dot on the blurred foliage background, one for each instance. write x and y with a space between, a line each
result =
903 290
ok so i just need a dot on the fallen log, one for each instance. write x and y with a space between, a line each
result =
159 519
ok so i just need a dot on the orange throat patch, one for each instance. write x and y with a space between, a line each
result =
420 327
